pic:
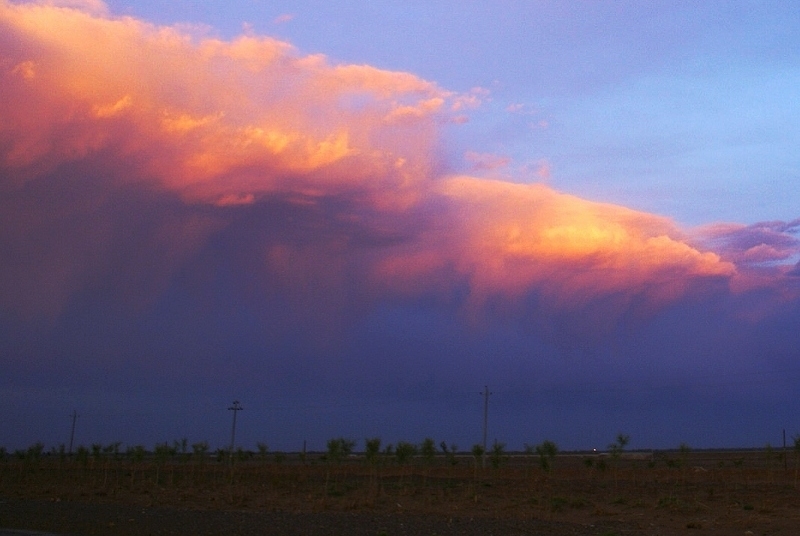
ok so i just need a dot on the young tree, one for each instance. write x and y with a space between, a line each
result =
404 452
338 449
97 453
619 445
112 449
450 453
477 454
182 446
769 455
372 447
428 450
683 453
498 454
82 455
547 451
32 455
199 453
372 450
136 455
60 451
529 450
110 452
263 450
616 449
163 452
243 455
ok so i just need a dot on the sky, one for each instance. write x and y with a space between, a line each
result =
353 217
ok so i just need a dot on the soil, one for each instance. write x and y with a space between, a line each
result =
720 493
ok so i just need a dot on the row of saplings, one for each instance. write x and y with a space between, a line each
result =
109 465
404 452
338 450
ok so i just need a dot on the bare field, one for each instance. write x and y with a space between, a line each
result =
720 493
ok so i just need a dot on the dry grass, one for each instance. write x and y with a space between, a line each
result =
711 491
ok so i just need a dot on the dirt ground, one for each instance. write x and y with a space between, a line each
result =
708 493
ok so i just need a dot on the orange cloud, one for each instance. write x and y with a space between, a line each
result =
226 125
508 240
208 118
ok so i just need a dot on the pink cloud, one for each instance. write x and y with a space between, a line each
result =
283 19
209 118
222 126
506 242
759 243
486 161
516 237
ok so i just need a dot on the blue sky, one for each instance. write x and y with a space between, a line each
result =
682 109
352 216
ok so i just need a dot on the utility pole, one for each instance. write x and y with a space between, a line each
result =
485 394
236 407
72 433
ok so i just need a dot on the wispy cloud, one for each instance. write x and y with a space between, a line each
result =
283 19
486 161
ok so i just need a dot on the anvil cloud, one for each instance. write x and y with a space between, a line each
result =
187 184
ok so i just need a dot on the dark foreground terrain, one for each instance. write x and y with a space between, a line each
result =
722 493
118 519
